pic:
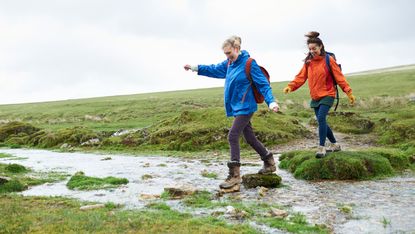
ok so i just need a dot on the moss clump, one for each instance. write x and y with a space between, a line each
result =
18 129
396 131
73 136
12 186
344 165
82 182
15 168
203 129
348 122
399 160
21 139
266 180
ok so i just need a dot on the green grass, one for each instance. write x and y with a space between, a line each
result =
3 155
347 165
255 211
15 168
194 120
22 177
207 174
82 182
60 215
295 224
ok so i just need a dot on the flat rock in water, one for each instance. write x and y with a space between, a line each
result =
181 191
264 180
90 207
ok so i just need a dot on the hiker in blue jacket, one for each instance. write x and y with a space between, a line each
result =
240 103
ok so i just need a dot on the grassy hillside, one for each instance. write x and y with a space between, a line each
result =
195 119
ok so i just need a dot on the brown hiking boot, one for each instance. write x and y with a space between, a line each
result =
269 164
234 177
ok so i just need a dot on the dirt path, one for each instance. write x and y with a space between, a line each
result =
347 141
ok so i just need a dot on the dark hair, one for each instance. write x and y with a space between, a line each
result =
313 38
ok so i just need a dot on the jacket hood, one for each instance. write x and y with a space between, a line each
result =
242 57
317 58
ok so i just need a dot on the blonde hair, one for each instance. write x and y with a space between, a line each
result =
233 41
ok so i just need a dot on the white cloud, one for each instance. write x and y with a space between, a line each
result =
53 50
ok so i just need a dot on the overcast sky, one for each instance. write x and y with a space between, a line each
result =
66 49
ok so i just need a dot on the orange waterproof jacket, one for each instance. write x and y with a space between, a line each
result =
319 78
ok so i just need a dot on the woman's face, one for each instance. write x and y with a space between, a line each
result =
231 53
315 49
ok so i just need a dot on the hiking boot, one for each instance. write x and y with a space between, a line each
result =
333 147
234 177
321 152
269 164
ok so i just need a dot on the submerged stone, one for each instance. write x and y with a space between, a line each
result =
181 191
90 207
264 180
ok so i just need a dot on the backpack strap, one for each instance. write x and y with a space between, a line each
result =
248 66
334 80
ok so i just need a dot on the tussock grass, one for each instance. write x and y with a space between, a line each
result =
22 177
195 120
82 182
346 165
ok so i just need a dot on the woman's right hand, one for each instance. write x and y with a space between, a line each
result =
287 90
187 67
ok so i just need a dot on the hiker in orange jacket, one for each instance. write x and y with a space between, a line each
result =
322 88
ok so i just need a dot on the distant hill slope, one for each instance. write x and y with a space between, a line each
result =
142 110
382 70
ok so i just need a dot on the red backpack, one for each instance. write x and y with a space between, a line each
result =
259 98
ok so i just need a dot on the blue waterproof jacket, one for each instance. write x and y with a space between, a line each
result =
239 97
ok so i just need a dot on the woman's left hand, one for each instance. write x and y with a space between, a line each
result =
352 98
274 107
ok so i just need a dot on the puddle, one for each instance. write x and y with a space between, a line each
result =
381 206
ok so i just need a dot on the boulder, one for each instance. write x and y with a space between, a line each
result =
278 213
145 196
264 180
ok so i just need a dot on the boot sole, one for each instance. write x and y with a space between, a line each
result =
321 155
228 187
331 151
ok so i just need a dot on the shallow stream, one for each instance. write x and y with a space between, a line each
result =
380 206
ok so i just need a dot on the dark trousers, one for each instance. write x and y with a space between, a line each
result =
324 130
242 123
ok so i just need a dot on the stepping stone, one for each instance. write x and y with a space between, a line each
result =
264 180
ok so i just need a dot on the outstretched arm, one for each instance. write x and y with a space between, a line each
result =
298 81
215 70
